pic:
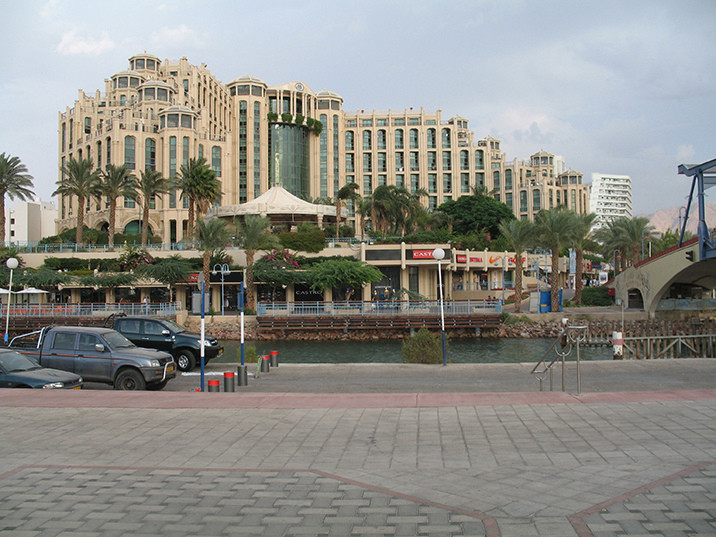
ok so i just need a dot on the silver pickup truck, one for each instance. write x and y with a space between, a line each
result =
98 355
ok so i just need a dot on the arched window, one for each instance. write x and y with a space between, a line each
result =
536 200
399 139
464 160
381 139
496 180
446 139
413 138
432 139
150 154
129 152
508 179
479 159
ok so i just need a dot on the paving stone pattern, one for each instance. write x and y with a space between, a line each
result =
51 501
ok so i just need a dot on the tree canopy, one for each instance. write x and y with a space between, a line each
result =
471 214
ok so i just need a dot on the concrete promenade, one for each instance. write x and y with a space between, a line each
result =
370 450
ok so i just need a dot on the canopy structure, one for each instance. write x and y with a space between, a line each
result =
281 207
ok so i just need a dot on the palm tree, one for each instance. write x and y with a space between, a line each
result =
116 181
625 235
554 232
80 181
213 235
394 209
348 192
521 235
199 184
582 227
15 182
253 232
169 271
151 183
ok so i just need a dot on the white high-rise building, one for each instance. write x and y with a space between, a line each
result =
30 221
610 198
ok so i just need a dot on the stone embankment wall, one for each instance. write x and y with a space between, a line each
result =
599 330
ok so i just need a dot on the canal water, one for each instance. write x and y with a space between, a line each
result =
465 351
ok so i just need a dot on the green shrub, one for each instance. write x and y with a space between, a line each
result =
250 355
312 241
596 296
514 319
423 348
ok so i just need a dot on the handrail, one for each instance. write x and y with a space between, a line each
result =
89 310
567 338
380 307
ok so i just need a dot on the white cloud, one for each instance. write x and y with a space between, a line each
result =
72 44
170 37
685 153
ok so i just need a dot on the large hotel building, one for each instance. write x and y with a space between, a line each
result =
159 114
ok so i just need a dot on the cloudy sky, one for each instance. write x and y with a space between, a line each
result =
621 87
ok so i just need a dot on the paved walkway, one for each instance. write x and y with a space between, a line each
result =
380 459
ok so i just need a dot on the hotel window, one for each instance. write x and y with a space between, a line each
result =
447 182
432 139
350 140
109 151
523 201
172 156
185 151
382 180
479 179
99 154
64 137
216 160
381 139
129 152
88 125
479 159
446 139
508 199
382 162
447 160
432 160
366 123
382 122
128 203
399 139
464 160
399 161
150 154
367 185
433 183
432 203
367 162
414 162
414 121
367 141
465 183
400 180
399 122
536 204
414 182
413 138
350 163
496 180
508 179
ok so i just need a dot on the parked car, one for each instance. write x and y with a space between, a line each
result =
18 371
99 355
168 336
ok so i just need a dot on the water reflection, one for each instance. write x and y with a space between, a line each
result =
477 351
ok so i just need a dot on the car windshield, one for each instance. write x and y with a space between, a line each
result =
13 362
175 326
115 340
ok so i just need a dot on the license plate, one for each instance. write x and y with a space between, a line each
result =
221 352
76 388
170 368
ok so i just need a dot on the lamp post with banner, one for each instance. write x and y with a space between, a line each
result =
12 264
223 270
438 255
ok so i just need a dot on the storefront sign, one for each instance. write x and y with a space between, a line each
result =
422 254
461 258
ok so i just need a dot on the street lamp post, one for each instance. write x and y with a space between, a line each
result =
223 270
439 254
12 264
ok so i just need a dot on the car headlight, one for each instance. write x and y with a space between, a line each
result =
154 363
53 385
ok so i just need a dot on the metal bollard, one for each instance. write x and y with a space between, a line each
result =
214 386
274 358
265 365
229 381
243 375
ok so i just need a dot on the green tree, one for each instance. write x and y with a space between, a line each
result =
471 214
581 241
554 232
43 278
348 192
116 181
625 235
394 210
213 235
198 182
15 182
151 183
520 234
169 271
342 272
79 180
277 268
254 235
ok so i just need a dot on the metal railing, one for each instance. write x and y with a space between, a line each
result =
570 337
90 310
679 346
393 307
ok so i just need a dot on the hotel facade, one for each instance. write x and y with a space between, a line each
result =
156 115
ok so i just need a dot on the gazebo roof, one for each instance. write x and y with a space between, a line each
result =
276 200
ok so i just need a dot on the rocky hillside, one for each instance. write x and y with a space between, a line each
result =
668 218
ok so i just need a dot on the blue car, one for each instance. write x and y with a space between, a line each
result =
18 371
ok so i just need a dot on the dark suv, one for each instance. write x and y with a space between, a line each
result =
168 336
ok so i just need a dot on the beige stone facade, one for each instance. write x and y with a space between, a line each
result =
159 114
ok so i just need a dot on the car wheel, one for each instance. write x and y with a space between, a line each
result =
185 360
129 379
156 386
